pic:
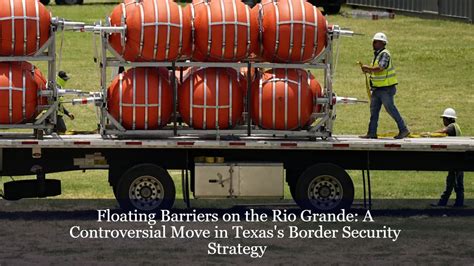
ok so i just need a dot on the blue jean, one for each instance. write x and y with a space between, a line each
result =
454 180
384 96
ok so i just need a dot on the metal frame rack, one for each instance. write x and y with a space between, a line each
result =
321 128
46 120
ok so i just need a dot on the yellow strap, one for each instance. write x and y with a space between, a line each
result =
414 135
367 84
80 132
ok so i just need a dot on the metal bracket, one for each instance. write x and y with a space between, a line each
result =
115 122
43 117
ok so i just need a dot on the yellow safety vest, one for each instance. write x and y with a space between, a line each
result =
61 106
61 84
458 129
386 77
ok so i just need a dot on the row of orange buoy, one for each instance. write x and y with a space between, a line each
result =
213 98
224 31
24 29
219 30
160 30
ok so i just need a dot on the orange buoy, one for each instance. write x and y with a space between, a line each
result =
157 30
24 27
317 91
223 30
290 30
211 98
20 83
282 99
141 98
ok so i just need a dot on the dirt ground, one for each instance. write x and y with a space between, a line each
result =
38 232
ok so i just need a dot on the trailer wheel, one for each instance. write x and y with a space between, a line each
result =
324 187
145 187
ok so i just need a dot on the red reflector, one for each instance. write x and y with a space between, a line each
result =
237 144
393 146
82 143
189 143
29 142
439 146
133 143
288 144
340 145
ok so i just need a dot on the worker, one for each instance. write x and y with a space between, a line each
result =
383 80
60 124
455 179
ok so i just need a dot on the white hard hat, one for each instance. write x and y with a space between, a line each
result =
380 36
449 113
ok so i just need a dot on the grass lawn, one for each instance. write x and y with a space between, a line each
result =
433 59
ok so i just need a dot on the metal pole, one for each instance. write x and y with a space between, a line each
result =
175 96
52 78
328 81
103 81
363 184
183 185
249 93
368 180
186 189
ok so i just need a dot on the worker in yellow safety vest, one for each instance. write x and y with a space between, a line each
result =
455 179
61 81
383 81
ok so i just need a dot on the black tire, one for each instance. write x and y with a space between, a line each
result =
145 187
332 9
324 188
69 2
45 2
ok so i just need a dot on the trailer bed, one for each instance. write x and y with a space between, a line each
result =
342 142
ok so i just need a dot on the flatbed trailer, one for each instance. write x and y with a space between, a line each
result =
239 167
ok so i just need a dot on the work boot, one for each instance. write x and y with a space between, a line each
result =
368 136
441 203
402 134
459 203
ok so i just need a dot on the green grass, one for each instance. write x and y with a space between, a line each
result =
433 59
